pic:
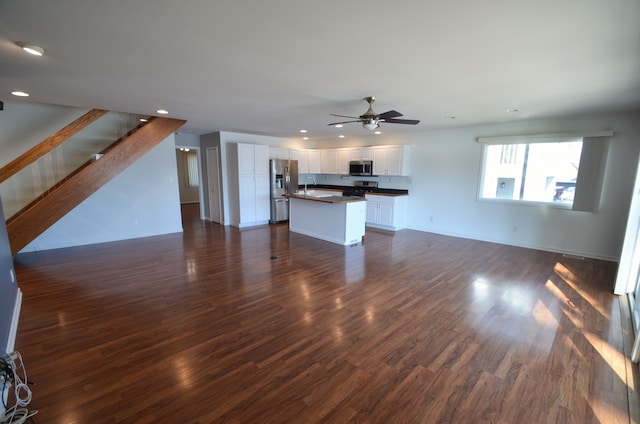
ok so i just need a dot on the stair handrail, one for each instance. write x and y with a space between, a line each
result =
49 144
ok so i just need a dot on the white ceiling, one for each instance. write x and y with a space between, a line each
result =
274 67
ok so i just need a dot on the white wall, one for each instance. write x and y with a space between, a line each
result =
9 293
141 201
445 165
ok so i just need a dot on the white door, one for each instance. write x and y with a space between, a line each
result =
372 212
386 214
213 184
247 195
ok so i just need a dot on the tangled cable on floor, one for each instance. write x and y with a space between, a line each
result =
13 372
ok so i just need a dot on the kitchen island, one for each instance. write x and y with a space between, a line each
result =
334 218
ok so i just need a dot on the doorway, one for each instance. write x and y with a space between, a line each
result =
213 184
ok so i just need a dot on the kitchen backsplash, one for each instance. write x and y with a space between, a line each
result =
400 183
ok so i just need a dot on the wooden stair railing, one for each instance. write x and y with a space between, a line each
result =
49 143
30 222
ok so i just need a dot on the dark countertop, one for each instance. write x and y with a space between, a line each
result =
329 199
384 191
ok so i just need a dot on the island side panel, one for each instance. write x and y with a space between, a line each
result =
327 221
355 222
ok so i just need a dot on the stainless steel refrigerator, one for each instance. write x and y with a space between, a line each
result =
283 181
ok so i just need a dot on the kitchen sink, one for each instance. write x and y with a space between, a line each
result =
316 193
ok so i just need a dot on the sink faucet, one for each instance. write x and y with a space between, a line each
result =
305 183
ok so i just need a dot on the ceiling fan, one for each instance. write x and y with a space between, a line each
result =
371 120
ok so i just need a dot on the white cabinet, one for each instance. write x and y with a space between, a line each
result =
387 212
391 160
329 161
344 157
361 153
278 152
315 162
302 157
309 160
253 196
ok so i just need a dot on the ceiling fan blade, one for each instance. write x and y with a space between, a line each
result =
402 121
340 123
390 114
344 116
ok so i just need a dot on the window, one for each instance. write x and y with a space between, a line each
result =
192 169
562 170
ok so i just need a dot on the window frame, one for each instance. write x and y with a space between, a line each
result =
594 166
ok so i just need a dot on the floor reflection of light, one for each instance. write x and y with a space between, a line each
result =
337 331
611 355
518 301
183 372
608 413
338 302
543 315
480 288
69 419
307 317
192 269
305 291
62 322
370 314
570 278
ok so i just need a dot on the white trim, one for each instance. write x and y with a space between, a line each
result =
13 331
542 138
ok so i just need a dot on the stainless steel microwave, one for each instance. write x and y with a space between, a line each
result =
361 167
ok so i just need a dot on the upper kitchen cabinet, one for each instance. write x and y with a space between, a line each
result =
361 153
315 162
253 159
329 161
391 160
302 156
344 157
278 152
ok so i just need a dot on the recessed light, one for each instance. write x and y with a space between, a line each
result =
450 117
377 132
305 138
513 110
20 93
144 120
162 111
30 48
303 131
338 125
341 136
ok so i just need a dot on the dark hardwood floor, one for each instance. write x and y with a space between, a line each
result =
218 325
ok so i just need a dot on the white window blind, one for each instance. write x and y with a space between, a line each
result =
192 169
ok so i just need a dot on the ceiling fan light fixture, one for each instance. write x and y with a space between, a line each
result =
30 48
370 124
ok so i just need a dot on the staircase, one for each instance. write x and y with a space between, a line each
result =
57 200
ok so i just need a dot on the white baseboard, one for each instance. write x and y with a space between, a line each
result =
13 331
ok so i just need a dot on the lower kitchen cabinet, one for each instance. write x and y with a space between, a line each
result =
387 212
